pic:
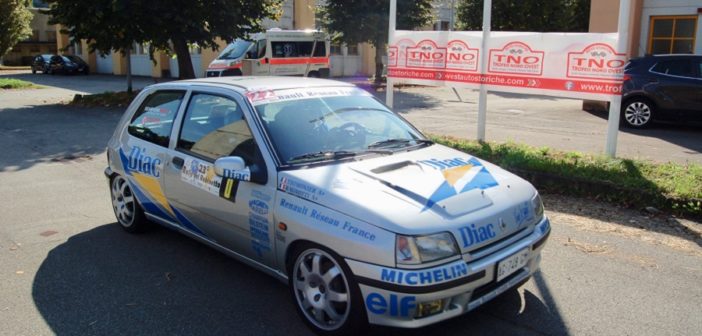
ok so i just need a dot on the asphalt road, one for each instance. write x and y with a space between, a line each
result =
67 268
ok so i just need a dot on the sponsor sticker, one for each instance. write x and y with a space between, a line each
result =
459 175
596 61
393 305
269 96
201 175
516 58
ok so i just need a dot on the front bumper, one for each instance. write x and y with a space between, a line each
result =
392 296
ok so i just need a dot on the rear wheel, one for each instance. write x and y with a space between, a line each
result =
313 74
326 295
129 213
637 113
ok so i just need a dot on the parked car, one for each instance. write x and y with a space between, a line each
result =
664 88
318 184
41 63
68 64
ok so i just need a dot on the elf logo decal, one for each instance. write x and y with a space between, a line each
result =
141 162
460 175
471 234
596 61
394 306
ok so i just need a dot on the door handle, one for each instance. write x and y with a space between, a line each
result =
177 162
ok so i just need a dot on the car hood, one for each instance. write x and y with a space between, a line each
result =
425 191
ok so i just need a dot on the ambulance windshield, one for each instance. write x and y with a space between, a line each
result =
235 50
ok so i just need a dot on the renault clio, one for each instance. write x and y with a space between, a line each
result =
320 185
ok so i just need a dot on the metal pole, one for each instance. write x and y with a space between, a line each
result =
482 99
615 104
389 85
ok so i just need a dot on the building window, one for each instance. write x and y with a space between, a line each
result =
35 36
34 47
51 35
672 34
78 48
352 50
441 25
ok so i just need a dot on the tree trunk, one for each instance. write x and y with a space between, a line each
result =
379 53
128 53
185 63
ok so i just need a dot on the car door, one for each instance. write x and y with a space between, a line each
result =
676 86
235 214
695 113
143 149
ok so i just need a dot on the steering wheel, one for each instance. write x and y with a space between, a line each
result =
350 135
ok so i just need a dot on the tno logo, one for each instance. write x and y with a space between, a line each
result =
426 54
516 58
596 61
461 57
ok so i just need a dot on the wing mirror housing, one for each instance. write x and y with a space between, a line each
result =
232 167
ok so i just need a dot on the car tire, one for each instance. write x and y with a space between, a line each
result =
326 295
637 113
128 212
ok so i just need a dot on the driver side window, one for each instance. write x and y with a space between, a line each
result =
214 127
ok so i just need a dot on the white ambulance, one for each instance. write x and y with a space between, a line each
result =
275 52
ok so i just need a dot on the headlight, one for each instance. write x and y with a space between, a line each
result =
413 250
538 207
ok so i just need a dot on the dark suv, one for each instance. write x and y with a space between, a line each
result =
662 88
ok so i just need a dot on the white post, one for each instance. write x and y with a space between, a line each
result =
615 104
482 99
389 85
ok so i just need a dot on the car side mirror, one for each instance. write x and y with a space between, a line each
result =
232 167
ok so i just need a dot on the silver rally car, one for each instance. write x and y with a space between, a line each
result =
319 184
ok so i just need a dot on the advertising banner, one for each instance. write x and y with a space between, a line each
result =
576 65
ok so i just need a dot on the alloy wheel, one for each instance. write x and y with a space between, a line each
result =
321 289
123 202
637 113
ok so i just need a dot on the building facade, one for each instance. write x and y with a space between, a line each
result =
42 41
655 26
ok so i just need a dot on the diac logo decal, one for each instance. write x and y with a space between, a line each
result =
460 175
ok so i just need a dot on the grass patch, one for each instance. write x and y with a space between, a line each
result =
105 99
11 83
666 186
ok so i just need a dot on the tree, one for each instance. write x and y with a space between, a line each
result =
367 21
15 18
168 26
527 15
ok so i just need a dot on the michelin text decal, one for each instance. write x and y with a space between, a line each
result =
424 277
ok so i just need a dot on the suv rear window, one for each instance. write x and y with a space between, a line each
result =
681 68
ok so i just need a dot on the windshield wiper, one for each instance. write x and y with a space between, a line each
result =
334 155
322 155
396 142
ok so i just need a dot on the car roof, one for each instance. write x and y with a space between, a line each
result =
261 83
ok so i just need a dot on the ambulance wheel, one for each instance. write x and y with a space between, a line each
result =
325 292
129 213
313 74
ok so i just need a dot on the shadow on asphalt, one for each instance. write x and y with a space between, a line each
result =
53 133
106 281
681 134
405 101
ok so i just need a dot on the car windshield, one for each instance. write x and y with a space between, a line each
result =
326 124
235 50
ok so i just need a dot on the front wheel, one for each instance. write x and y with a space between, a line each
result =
326 295
637 113
129 214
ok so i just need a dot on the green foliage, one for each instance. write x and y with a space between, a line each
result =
527 15
166 25
359 21
15 18
672 186
11 83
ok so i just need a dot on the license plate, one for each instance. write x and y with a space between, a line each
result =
512 263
